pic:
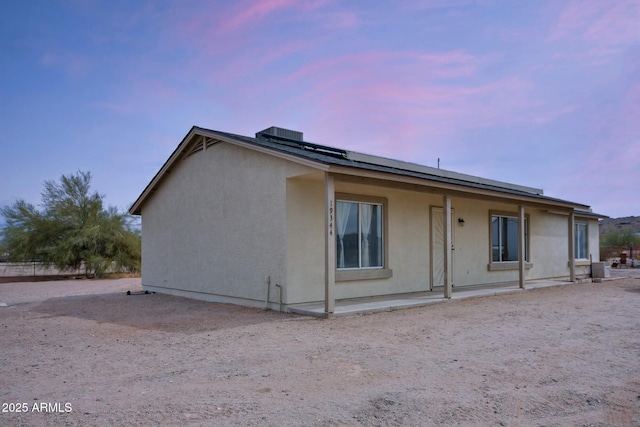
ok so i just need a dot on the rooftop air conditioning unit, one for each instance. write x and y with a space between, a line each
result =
282 133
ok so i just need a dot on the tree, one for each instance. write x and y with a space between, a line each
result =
72 228
620 238
612 243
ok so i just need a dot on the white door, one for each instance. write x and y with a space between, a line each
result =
437 246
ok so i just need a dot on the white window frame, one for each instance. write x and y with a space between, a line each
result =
365 273
500 216
577 252
360 253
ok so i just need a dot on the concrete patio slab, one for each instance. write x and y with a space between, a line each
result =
418 299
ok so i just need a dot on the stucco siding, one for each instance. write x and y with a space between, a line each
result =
594 239
228 218
549 248
216 227
305 239
593 246
408 236
548 244
408 245
472 244
409 242
238 219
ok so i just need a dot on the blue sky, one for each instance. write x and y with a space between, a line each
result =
534 92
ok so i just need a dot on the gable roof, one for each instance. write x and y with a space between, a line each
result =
344 162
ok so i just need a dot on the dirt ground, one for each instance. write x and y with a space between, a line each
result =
79 353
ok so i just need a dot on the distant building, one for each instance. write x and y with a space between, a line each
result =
272 219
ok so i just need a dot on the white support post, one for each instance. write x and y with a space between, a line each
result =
572 255
447 247
521 247
329 244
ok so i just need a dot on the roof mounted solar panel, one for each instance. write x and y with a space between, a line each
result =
284 137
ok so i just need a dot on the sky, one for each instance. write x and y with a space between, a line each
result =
542 93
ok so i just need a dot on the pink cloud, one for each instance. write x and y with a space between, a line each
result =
631 106
406 115
606 169
551 115
437 4
342 20
400 88
446 65
253 11
606 26
223 30
608 157
256 59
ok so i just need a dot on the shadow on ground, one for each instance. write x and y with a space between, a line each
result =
157 312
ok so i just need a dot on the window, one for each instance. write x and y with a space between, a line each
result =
504 238
580 246
359 240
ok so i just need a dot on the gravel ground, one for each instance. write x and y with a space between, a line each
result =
80 353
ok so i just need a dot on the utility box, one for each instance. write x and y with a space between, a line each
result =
599 270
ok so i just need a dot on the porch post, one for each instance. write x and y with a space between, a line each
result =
447 247
329 244
572 255
521 247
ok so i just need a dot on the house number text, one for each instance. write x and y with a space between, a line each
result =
330 217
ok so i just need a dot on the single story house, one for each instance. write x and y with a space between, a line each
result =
276 221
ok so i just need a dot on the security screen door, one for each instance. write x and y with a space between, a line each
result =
437 246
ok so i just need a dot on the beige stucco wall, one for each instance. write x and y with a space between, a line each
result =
594 239
472 253
409 231
593 236
408 242
550 244
228 217
215 228
305 239
408 246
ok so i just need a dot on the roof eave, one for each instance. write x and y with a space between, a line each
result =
136 208
459 188
589 214
165 169
462 188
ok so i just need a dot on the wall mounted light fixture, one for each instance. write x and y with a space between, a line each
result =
461 222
